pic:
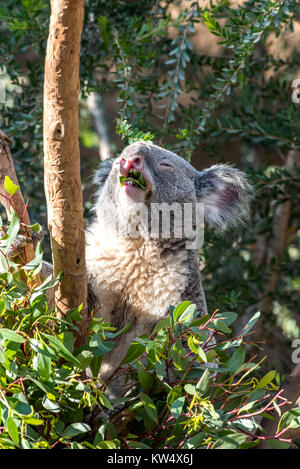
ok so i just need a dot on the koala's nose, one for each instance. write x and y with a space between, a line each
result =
134 162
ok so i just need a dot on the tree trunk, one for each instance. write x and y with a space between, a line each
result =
97 109
7 169
61 152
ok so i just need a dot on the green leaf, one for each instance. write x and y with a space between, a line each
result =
114 444
149 407
204 384
144 377
290 419
51 405
160 368
135 350
138 445
202 354
267 379
7 278
237 360
85 358
177 353
96 365
39 384
7 334
104 401
161 325
114 335
228 344
197 349
177 406
36 227
19 407
25 444
174 394
250 324
136 180
179 310
61 349
231 441
228 317
192 345
36 263
10 187
190 389
220 325
276 444
246 424
48 283
98 346
13 230
42 365
76 429
100 435
187 316
68 340
200 321
34 421
13 430
195 441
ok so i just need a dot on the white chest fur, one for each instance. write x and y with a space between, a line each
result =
134 273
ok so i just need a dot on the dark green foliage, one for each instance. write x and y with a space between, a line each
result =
23 33
186 390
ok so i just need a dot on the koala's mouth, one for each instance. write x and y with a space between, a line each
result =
134 178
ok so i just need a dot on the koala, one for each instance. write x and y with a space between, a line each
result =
134 274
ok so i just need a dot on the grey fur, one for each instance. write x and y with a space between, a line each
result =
224 191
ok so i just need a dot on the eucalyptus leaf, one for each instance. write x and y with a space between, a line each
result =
149 407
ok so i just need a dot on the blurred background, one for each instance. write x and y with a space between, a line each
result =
212 80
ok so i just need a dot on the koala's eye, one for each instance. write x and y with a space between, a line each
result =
165 164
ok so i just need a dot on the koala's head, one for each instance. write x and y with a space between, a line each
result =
147 175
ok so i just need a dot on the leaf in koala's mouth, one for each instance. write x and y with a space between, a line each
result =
134 178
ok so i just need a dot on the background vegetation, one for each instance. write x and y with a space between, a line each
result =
213 82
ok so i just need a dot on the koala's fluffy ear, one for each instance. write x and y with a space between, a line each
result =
225 192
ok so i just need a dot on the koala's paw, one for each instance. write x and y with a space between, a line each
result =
22 240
